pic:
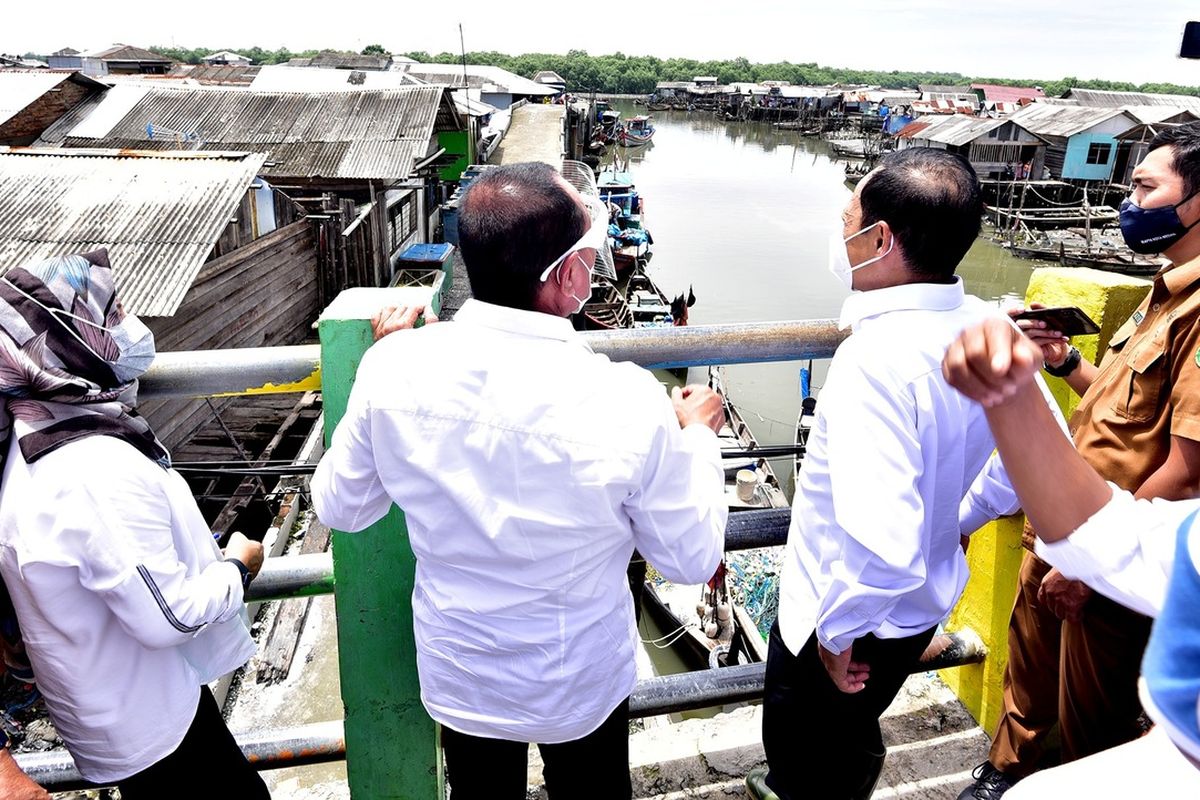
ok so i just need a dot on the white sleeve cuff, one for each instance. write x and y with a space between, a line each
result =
1097 547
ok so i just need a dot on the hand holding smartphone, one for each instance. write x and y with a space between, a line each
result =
1068 320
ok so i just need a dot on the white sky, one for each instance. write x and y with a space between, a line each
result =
1133 40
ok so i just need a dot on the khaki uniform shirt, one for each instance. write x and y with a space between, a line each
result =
1148 386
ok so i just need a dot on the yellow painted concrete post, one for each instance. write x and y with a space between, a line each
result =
995 552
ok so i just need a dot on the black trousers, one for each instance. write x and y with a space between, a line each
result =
821 742
207 763
595 767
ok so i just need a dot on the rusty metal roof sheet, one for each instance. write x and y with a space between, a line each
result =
366 135
954 130
159 214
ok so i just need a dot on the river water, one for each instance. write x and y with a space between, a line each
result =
743 213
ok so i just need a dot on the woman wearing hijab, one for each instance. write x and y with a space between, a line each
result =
126 605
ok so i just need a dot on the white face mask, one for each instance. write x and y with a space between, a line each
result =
839 259
582 301
135 341
137 348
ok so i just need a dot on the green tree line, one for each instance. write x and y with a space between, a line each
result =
619 73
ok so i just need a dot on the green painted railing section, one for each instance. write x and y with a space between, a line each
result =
392 748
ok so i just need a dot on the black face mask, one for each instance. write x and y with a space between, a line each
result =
1153 230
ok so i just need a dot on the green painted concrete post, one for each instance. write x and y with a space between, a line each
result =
392 749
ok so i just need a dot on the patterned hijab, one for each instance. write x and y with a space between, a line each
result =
70 358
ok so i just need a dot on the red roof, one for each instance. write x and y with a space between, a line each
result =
1007 94
912 129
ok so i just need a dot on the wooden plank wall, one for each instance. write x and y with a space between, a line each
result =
261 295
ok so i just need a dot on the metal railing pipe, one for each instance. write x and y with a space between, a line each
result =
315 743
276 370
688 691
668 694
312 573
293 576
738 343
233 371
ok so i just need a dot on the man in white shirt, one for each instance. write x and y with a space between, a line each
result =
528 468
874 560
1143 554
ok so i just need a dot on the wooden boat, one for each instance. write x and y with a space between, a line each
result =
649 306
631 246
1044 218
849 148
1126 262
703 625
759 487
606 309
636 132
1039 252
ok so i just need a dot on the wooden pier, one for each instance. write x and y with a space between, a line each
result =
536 133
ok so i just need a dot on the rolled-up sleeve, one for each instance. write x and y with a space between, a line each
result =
991 494
1125 550
679 510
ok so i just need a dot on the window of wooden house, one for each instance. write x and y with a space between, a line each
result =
402 220
1099 152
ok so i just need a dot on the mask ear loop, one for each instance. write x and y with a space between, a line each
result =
57 313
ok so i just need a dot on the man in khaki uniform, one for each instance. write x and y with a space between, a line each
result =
1074 655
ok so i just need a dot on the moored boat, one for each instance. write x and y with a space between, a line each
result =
606 309
636 132
750 480
703 624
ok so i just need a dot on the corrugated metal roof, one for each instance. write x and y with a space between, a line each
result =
282 78
159 215
215 74
1099 98
492 79
353 135
911 130
933 88
956 130
1154 114
1008 94
1047 119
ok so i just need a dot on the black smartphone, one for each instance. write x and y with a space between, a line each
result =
1070 320
1190 48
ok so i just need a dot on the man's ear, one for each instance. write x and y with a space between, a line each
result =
884 237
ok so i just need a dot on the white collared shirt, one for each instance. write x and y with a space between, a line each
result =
125 604
528 468
1125 550
874 544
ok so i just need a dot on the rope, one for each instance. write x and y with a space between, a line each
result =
674 635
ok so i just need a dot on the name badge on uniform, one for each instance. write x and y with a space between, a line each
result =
1138 316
